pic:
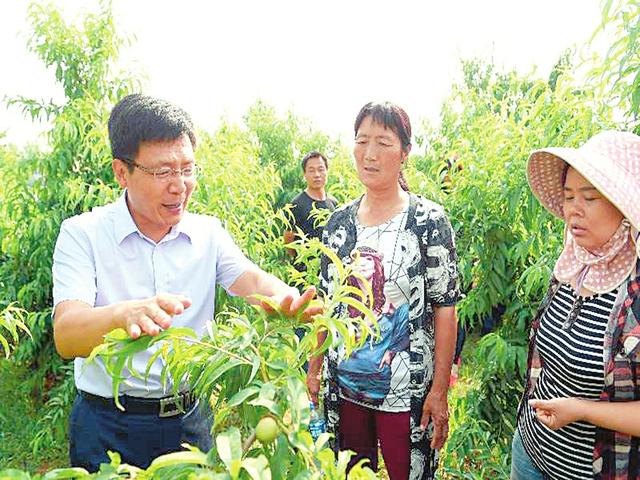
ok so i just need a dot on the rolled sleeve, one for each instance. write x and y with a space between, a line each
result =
74 270
230 261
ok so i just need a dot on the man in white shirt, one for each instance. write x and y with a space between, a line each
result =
144 263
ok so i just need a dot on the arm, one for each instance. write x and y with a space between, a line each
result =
618 416
78 328
289 237
256 281
442 285
314 373
435 405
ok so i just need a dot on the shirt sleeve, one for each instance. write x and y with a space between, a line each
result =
74 269
442 269
230 261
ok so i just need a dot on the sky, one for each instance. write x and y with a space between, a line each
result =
323 60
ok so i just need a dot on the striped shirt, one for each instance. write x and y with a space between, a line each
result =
573 366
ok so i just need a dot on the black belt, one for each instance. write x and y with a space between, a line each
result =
163 407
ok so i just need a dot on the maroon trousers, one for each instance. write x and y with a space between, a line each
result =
360 429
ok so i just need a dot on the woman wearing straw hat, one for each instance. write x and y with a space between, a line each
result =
580 414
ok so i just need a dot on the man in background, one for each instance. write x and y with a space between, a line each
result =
314 168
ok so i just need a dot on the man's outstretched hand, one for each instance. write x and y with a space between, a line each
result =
294 305
150 316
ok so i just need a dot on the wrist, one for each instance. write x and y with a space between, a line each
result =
583 410
438 392
117 317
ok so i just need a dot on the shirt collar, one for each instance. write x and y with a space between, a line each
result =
125 226
123 223
186 225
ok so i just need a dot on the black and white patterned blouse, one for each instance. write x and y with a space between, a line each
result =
429 257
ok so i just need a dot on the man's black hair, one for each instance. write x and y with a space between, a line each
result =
314 154
140 118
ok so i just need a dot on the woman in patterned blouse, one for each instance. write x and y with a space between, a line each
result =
580 414
394 389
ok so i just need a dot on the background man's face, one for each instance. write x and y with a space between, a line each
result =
315 173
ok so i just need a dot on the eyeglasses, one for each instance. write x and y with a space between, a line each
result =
166 174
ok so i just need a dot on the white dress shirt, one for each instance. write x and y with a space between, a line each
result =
102 258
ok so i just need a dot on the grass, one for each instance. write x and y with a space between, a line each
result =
20 403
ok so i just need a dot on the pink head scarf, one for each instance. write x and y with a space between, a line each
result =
602 270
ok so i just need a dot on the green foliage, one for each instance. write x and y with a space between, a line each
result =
507 242
22 397
241 191
52 424
75 175
250 365
489 126
472 451
42 188
282 142
618 75
12 321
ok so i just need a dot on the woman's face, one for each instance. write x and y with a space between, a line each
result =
366 266
591 218
378 154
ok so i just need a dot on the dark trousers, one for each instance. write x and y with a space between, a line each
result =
360 429
95 429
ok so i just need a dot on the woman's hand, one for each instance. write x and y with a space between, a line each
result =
313 384
558 412
436 409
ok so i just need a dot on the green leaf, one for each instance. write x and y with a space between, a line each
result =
242 395
257 468
14 474
63 473
229 446
281 460
298 399
178 458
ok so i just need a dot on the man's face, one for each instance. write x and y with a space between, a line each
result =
315 173
156 206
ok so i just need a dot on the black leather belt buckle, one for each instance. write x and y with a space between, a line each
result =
171 406
176 405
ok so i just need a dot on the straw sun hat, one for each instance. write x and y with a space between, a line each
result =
610 161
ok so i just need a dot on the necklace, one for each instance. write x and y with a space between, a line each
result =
573 313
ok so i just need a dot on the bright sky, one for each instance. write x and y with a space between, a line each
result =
322 59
